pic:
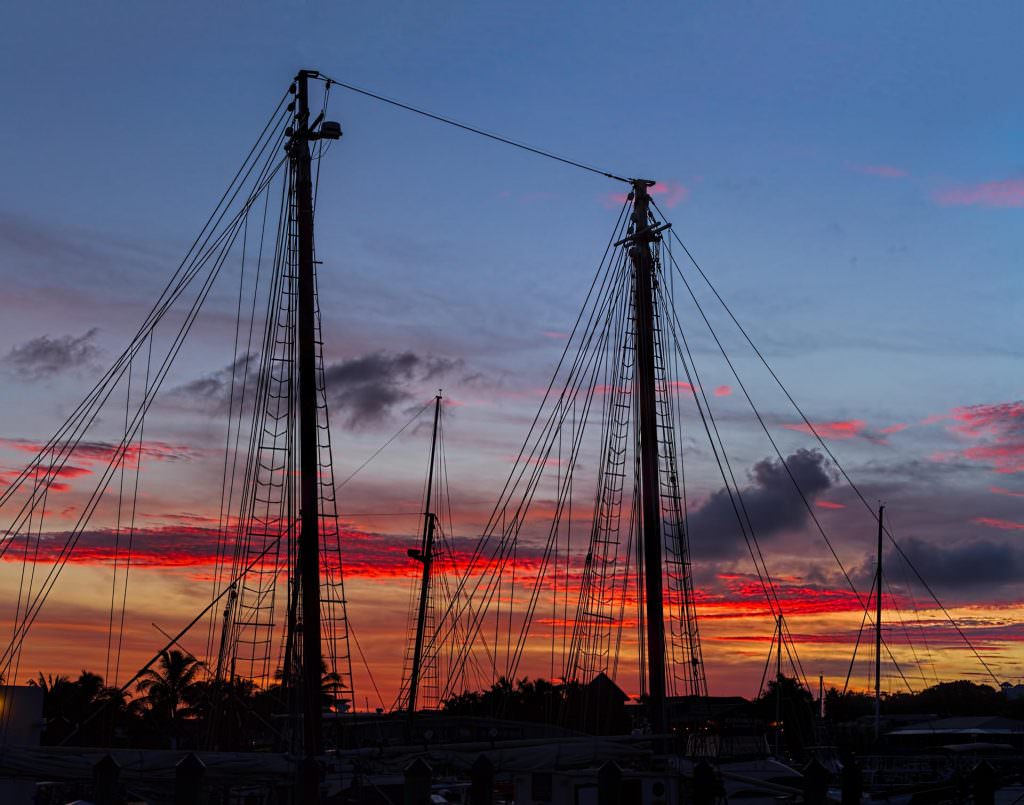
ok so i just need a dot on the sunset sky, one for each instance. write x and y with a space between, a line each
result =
849 177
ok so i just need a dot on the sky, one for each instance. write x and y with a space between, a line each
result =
849 177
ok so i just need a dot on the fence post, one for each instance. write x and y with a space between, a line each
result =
188 780
417 783
816 779
852 780
481 781
106 775
983 783
609 784
705 785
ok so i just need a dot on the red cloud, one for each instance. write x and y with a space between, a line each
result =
723 391
95 452
744 597
828 504
887 171
841 429
999 193
994 522
899 426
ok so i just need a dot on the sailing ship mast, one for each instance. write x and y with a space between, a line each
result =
307 570
646 396
878 626
424 555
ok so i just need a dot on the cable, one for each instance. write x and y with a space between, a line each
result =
475 130
825 447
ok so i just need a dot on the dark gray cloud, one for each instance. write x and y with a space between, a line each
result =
212 392
366 389
973 565
770 499
363 390
45 357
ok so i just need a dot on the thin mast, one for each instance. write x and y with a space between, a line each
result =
778 685
650 481
308 570
426 556
878 626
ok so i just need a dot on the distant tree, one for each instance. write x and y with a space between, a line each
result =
81 711
795 705
226 713
959 698
165 692
847 705
535 700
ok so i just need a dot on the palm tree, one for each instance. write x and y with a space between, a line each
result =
166 690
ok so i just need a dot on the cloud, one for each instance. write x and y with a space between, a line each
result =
999 429
829 504
366 389
89 452
770 499
999 193
668 194
995 522
1002 490
212 392
841 429
44 357
744 597
723 391
975 564
885 171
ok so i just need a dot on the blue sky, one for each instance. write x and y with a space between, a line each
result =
850 176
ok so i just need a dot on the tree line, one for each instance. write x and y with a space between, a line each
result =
170 706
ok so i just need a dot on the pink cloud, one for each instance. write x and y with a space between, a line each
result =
999 429
899 426
840 429
668 193
999 193
673 192
1002 490
995 522
886 171
555 334
723 391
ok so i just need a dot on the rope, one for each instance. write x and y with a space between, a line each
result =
474 130
830 454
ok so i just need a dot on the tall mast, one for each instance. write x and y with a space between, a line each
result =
426 556
878 626
778 684
646 395
308 569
